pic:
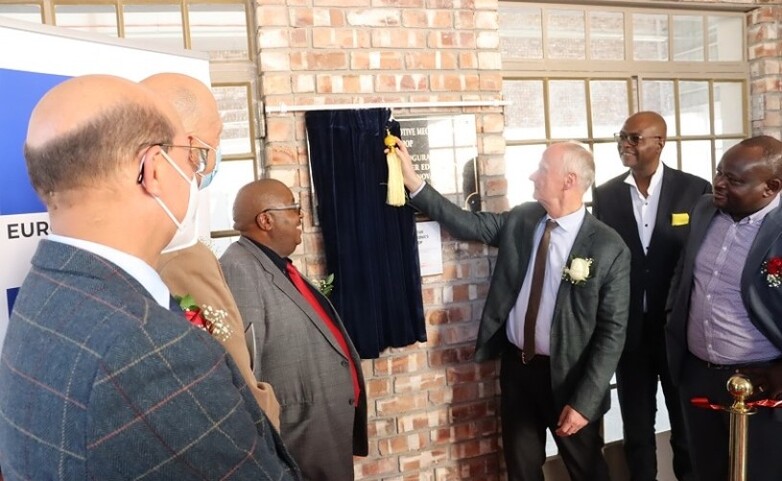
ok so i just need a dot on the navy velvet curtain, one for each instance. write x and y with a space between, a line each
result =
371 248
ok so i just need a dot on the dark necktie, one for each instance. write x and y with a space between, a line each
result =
306 292
536 289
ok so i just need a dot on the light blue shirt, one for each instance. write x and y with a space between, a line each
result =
563 236
133 266
719 329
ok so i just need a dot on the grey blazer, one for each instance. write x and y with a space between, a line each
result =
590 320
320 422
763 303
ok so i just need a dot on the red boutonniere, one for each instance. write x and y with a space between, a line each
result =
205 317
772 269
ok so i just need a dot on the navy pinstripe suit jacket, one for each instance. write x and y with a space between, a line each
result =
97 381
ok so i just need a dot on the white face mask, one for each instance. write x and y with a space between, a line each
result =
187 229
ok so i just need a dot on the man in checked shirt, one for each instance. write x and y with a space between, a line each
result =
725 308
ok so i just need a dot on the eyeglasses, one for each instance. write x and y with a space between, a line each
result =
633 139
296 207
203 155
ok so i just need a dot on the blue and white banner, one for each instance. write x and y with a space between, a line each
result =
42 57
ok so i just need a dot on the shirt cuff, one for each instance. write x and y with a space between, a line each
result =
419 189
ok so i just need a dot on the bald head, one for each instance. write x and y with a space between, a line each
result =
254 198
87 129
651 122
192 100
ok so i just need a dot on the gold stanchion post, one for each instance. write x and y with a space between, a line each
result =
740 388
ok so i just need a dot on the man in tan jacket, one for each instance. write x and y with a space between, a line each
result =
187 266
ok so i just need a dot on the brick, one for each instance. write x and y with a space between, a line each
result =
375 17
285 175
279 129
419 382
475 410
465 431
439 19
281 155
303 83
487 20
474 447
492 124
323 37
376 467
341 3
431 60
385 60
432 295
328 17
471 372
451 39
402 444
450 355
400 82
273 15
300 16
492 144
487 40
422 460
299 38
272 61
398 38
381 427
401 403
452 334
399 3
464 20
414 18
379 387
468 60
272 38
423 420
407 363
319 61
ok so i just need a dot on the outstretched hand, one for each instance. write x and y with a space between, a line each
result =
411 178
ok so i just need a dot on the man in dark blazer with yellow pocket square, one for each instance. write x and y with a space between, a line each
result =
556 311
649 207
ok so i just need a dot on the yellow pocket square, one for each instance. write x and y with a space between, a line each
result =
680 219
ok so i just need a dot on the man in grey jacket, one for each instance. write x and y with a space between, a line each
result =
556 311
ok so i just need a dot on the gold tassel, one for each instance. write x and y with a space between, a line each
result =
396 185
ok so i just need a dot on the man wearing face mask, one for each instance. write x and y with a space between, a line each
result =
187 266
100 380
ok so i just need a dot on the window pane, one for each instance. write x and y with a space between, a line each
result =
521 35
520 162
607 162
160 24
726 39
670 153
220 244
234 110
696 158
608 99
566 37
607 35
657 96
728 108
233 175
525 117
90 18
27 13
220 29
687 37
694 105
650 37
722 146
567 109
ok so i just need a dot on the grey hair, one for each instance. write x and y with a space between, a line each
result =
577 159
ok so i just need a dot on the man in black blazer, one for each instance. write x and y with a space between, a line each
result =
649 207
558 354
726 306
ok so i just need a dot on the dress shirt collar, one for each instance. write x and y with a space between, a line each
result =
757 216
133 266
280 262
570 222
654 184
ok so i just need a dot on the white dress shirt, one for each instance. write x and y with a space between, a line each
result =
562 238
133 266
645 208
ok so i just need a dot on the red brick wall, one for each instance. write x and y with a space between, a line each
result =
433 412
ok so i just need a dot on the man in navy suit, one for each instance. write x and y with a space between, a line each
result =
99 379
649 208
726 306
556 311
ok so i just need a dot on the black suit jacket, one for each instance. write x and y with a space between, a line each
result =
651 271
588 326
763 302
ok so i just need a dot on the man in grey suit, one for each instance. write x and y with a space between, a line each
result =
556 311
100 380
303 350
726 306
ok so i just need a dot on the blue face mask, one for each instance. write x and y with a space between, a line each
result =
207 178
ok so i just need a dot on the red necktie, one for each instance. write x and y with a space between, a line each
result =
306 292
536 289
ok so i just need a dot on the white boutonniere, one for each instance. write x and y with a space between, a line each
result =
578 271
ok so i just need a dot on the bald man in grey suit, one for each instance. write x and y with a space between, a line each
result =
303 350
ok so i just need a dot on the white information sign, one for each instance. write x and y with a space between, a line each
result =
430 249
